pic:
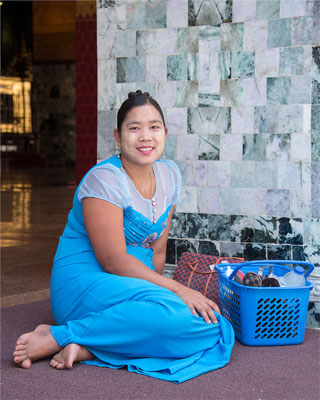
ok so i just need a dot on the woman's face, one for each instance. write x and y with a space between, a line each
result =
142 136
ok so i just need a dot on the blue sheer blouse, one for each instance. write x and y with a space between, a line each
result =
108 181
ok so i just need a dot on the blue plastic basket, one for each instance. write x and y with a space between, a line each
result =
265 316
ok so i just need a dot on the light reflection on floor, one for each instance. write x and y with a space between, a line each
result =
20 210
34 208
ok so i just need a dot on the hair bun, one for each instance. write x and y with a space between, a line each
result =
138 93
136 99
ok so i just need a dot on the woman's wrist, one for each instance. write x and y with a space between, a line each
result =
174 286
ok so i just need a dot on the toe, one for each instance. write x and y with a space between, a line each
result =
19 353
26 364
19 359
56 364
53 363
20 347
22 340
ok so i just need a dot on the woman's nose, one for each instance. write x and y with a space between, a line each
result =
145 134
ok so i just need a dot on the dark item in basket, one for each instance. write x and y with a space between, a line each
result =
256 280
270 282
197 272
237 279
252 279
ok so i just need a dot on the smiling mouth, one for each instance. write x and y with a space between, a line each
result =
145 149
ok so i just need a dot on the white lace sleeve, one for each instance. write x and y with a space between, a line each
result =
103 183
175 178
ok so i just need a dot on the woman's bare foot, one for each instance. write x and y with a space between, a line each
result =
71 353
35 345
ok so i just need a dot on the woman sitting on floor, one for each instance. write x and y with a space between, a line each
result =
112 306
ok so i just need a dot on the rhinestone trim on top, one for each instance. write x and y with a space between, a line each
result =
153 202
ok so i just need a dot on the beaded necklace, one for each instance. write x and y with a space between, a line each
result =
150 192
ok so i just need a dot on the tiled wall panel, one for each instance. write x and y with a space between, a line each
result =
239 82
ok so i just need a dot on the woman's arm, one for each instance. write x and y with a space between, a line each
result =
104 225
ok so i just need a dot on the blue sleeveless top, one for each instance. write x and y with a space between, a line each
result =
108 181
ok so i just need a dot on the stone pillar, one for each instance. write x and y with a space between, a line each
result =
86 87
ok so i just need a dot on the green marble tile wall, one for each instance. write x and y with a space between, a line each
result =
239 82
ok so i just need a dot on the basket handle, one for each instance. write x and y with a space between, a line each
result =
267 263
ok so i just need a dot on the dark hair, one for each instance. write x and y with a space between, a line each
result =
136 99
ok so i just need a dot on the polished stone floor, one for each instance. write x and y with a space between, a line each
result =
34 208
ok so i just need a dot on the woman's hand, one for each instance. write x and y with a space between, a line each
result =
198 302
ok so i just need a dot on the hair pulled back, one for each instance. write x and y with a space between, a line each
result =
136 99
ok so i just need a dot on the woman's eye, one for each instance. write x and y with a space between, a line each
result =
155 127
134 128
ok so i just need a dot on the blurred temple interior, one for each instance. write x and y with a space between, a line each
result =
48 133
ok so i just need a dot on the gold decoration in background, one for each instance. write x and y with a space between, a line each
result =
54 37
86 9
15 106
